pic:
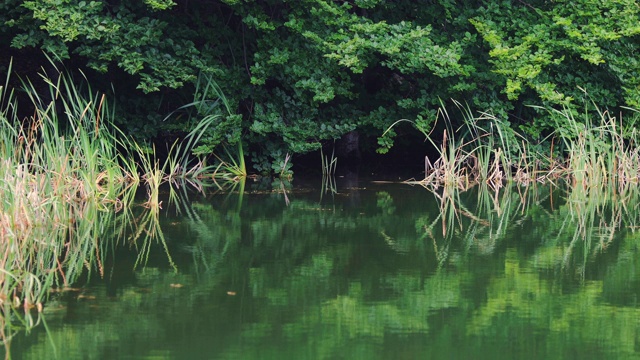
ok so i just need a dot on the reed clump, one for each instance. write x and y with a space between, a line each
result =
226 169
60 168
601 152
55 165
593 151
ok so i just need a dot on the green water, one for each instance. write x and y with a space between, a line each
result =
373 271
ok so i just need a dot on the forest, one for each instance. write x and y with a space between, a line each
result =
296 76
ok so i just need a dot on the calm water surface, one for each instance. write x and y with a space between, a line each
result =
372 271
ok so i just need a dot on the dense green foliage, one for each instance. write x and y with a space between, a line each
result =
301 72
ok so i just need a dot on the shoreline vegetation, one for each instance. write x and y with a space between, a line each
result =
67 170
587 153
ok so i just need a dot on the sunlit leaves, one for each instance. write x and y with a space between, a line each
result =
160 4
556 48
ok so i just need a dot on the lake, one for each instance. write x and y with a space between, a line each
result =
356 270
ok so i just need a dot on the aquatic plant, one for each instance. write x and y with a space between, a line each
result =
466 158
328 164
233 168
599 152
65 168
58 167
208 109
591 151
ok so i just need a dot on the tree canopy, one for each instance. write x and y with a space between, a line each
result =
297 73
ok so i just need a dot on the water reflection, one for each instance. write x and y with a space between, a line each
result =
399 273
